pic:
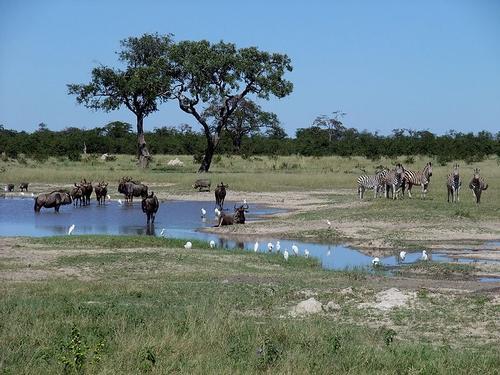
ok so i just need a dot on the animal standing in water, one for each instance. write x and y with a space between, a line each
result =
150 206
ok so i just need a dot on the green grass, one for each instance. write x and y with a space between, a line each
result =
147 305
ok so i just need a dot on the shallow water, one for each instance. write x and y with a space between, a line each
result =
177 219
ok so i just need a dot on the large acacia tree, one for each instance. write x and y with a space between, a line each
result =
141 86
217 77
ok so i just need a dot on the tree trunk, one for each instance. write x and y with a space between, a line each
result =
207 158
142 149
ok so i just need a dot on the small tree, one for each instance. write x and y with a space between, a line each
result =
218 76
248 119
332 124
141 86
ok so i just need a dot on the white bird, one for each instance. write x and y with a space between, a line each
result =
270 247
295 249
376 261
256 246
402 255
328 222
278 246
212 244
244 201
71 229
424 255
22 193
32 195
120 202
285 255
162 231
328 253
188 245
108 197
217 212
203 212
306 253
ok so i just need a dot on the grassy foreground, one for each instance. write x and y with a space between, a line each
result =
101 304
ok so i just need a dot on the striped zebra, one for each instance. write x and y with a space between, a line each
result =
422 178
477 185
366 182
393 181
453 184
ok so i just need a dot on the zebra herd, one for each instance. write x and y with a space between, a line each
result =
399 179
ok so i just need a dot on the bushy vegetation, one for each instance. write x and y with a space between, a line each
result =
117 138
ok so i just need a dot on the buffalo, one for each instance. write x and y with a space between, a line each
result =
101 190
220 195
132 189
150 207
54 200
24 186
237 218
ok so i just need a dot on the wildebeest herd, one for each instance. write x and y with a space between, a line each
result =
80 194
399 179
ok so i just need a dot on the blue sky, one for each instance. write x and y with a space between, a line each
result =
388 64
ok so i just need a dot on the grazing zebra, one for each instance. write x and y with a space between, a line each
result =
453 184
393 180
422 178
371 182
477 185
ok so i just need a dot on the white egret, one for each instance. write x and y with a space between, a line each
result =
256 246
108 197
244 201
120 202
402 255
32 195
285 255
217 212
22 193
424 255
188 245
328 222
270 247
376 261
71 229
295 249
212 244
203 212
162 231
278 246
306 253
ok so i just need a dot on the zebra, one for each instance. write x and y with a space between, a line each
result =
477 185
453 184
371 182
422 178
393 180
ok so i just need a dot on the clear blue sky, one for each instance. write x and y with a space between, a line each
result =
388 64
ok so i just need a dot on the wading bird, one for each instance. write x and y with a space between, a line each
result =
270 247
217 212
306 253
108 197
424 255
295 249
376 261
162 231
203 212
285 255
256 246
278 246
188 245
120 202
212 244
329 223
71 229
402 255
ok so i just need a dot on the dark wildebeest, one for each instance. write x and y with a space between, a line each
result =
237 218
150 207
101 191
87 189
10 187
220 195
23 186
132 189
76 194
52 200
202 184
477 185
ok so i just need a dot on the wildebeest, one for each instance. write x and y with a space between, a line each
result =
477 185
202 184
220 195
150 207
237 218
101 190
54 200
132 189
10 187
23 186
87 189
76 194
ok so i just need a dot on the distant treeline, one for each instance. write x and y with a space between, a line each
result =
118 138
